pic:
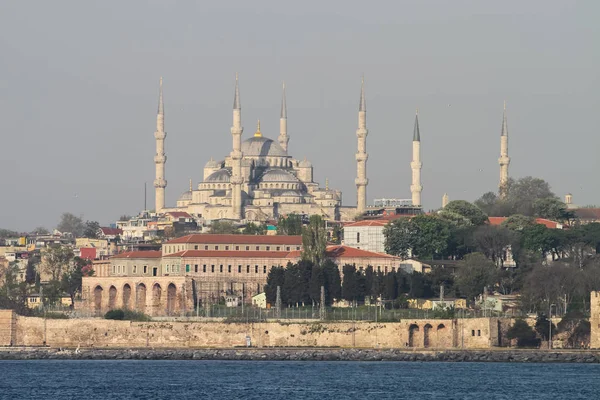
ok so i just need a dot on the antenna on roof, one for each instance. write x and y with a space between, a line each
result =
145 197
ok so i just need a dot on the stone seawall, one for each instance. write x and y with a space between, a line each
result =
508 355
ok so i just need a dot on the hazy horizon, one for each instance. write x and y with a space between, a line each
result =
79 88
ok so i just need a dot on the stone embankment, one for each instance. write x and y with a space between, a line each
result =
333 354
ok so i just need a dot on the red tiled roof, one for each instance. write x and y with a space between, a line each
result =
179 214
542 221
230 254
367 222
111 231
238 239
140 254
341 251
587 213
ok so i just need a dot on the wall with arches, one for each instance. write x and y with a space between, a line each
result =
155 296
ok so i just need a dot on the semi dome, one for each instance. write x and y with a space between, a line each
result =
221 176
305 164
186 196
290 193
259 146
212 164
278 175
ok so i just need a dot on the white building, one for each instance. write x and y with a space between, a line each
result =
366 235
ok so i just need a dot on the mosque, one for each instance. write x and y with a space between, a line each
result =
259 180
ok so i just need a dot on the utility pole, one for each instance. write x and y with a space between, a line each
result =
322 305
278 303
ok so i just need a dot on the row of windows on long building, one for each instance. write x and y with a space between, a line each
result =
121 269
175 249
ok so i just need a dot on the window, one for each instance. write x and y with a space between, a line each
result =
239 269
216 247
226 247
385 269
212 268
278 248
204 268
114 269
167 270
264 269
187 268
379 268
297 247
247 269
221 268
196 268
237 247
145 269
135 269
257 248
357 237
256 269
205 247
196 247
247 248
229 268
478 332
268 248
287 248
473 332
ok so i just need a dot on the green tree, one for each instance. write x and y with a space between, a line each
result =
524 192
40 230
474 273
317 279
542 326
72 279
72 224
314 240
551 208
333 281
467 210
390 286
493 241
56 260
523 333
224 228
400 237
518 222
350 286
91 229
290 225
32 264
433 236
253 229
276 277
7 233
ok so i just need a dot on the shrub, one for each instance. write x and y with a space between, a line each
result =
542 328
115 314
524 334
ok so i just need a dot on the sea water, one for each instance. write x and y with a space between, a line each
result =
128 379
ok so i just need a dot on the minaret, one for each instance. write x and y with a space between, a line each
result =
361 155
416 164
160 158
236 155
504 160
445 200
283 136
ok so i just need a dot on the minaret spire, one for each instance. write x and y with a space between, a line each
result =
361 154
160 158
504 159
416 188
236 155
283 138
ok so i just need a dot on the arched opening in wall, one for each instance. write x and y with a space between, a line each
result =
140 298
171 299
126 296
412 329
112 298
426 335
98 299
156 294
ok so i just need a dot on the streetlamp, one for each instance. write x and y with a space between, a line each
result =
550 326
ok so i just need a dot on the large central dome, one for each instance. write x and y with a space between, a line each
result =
258 146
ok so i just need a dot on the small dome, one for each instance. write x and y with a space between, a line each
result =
305 164
212 164
259 146
278 175
221 175
186 196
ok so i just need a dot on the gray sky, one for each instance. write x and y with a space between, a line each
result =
79 88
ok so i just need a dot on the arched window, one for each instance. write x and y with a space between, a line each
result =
357 237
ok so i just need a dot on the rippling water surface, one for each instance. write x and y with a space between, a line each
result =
46 379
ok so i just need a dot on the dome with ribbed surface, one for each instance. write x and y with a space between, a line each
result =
212 164
259 146
278 175
221 175
186 196
305 164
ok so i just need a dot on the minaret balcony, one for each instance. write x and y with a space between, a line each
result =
160 135
160 183
362 157
361 181
160 159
